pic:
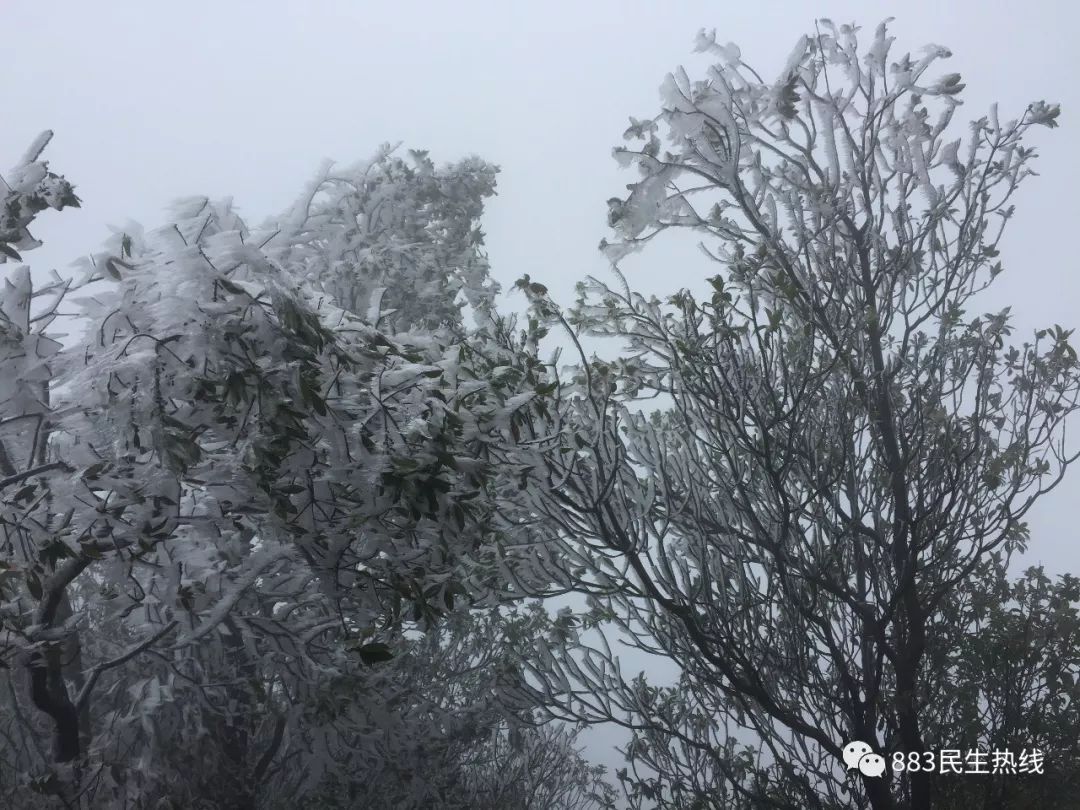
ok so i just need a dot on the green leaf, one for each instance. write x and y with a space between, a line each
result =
229 287
374 653
235 387
33 584
24 494
56 551
94 471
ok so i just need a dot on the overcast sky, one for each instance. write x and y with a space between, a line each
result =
151 101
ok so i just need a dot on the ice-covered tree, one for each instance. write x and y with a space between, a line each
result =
1005 675
275 461
398 239
28 365
842 440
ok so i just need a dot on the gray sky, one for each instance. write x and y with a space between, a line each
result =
151 101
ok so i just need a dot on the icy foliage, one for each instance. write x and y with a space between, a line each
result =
25 191
396 241
268 497
795 477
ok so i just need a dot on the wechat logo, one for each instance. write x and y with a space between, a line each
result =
860 756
